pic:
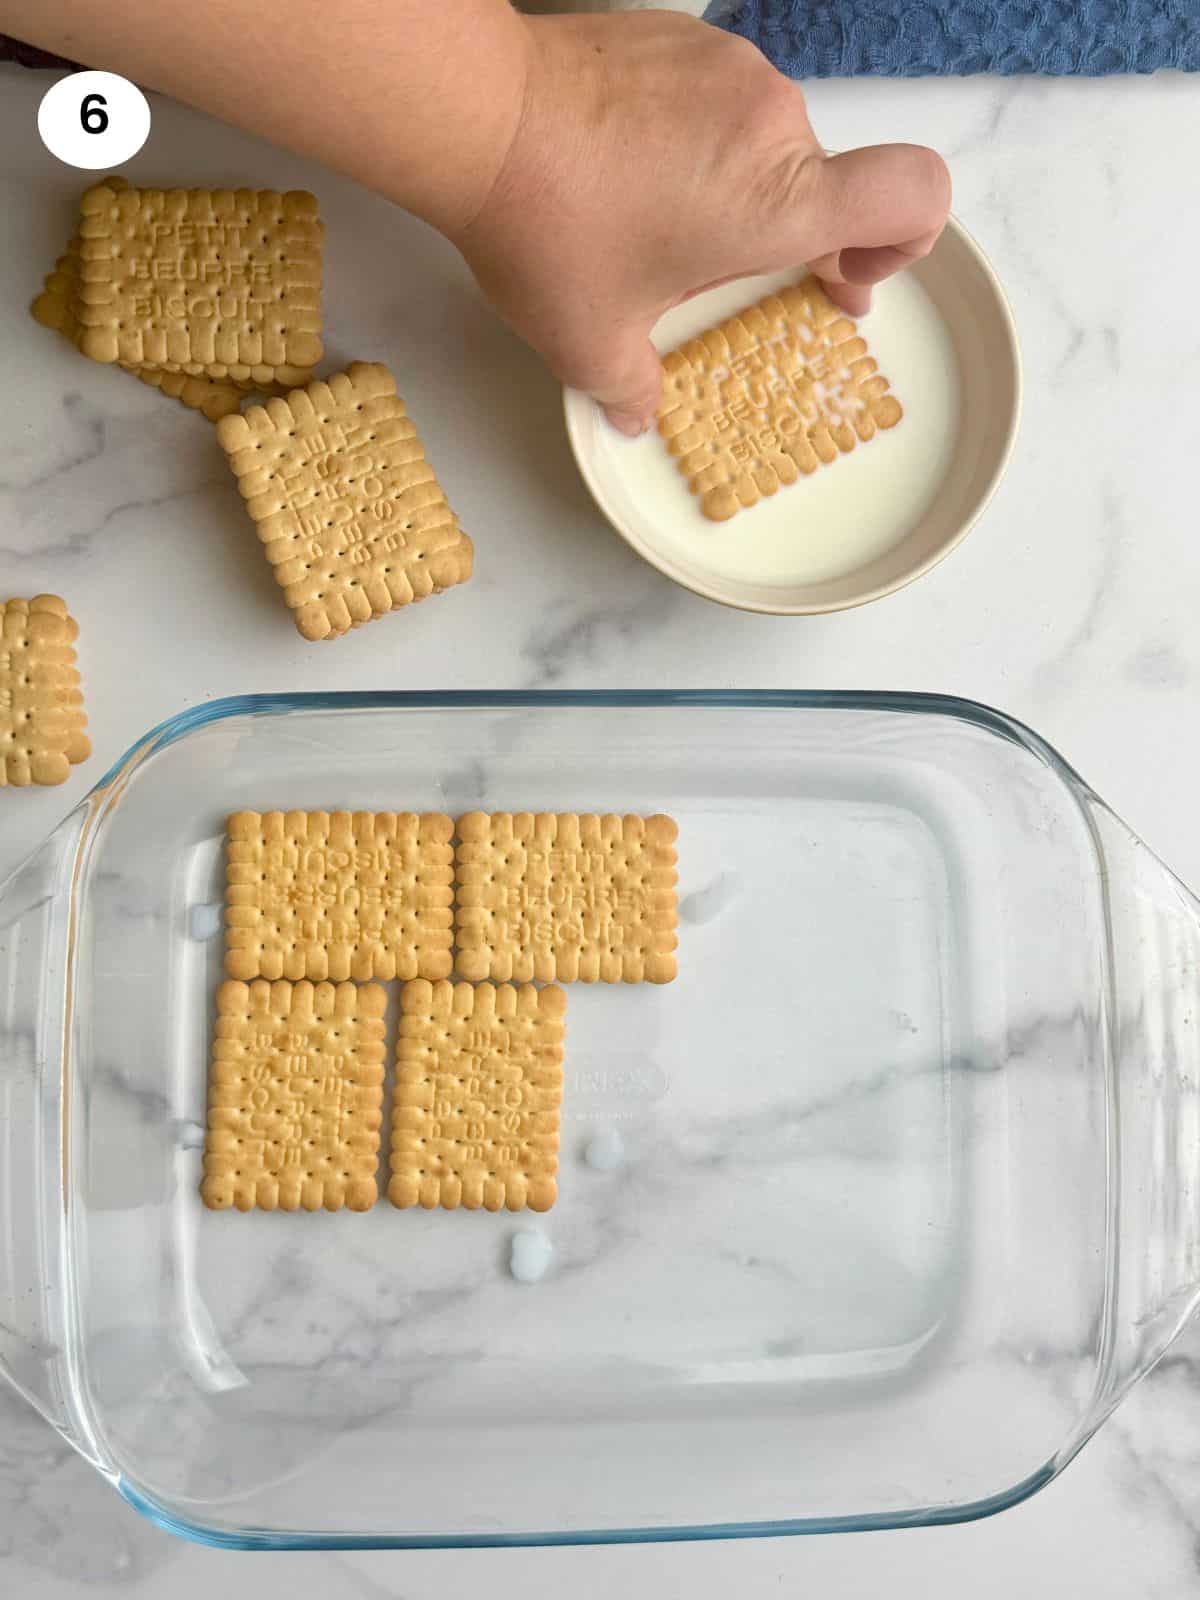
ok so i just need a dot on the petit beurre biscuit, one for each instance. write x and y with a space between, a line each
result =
566 897
216 283
295 1097
475 1116
42 722
349 511
57 307
773 393
318 894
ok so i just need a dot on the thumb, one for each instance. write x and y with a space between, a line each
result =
875 211
885 194
624 375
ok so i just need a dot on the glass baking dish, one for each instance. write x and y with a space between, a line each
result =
908 1190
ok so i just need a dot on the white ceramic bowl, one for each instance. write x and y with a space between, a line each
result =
970 302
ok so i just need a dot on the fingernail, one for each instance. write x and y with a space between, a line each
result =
628 423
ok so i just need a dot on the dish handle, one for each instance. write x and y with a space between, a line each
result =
1153 1006
35 927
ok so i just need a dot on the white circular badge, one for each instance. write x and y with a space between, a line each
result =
94 120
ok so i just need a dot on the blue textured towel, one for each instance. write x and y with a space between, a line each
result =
919 38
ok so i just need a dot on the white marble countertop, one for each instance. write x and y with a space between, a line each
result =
1067 607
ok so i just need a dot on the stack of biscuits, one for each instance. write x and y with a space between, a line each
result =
204 294
210 295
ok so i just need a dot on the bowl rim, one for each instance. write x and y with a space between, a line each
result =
576 405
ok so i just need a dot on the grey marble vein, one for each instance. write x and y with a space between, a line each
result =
562 644
92 433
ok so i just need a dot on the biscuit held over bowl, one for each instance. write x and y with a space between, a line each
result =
768 396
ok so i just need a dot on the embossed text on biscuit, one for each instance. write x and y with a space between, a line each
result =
768 396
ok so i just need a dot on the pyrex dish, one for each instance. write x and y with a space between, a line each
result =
967 296
909 1190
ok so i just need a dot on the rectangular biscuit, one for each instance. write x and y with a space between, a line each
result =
770 395
295 1097
475 1117
319 894
42 722
566 897
351 516
218 283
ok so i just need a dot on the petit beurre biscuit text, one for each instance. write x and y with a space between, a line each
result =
770 395
475 1116
319 894
295 1097
42 722
218 283
351 516
57 307
566 897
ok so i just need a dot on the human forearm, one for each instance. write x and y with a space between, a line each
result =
593 170
418 99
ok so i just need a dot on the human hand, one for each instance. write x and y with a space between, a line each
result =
655 157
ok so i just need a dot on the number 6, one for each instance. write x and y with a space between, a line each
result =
92 114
